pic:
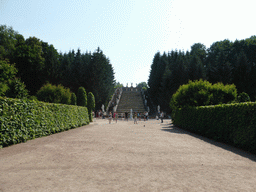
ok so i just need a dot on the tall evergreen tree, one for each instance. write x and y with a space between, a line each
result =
30 63
100 78
155 78
81 97
91 105
73 99
66 71
200 50
195 68
52 70
241 73
77 70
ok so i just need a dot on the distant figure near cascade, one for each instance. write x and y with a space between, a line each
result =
110 117
135 118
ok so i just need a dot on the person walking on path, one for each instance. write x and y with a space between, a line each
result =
135 118
110 117
115 116
162 116
126 115
146 115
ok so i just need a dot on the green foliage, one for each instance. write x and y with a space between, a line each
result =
46 93
242 72
54 94
201 93
90 104
225 61
62 95
30 63
118 85
199 50
101 78
92 71
52 69
9 85
17 89
243 97
142 85
195 68
73 99
230 123
22 120
156 77
7 41
81 97
38 63
33 98
7 71
7 75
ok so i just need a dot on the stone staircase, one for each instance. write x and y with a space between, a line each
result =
131 100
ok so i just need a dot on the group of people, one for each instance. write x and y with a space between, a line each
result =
138 116
99 114
160 116
115 117
124 116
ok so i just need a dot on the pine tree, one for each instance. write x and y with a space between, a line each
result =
73 99
90 105
81 97
101 78
30 63
241 74
195 68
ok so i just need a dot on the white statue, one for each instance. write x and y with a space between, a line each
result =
158 108
102 107
131 114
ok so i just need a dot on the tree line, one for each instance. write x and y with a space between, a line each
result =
225 61
39 63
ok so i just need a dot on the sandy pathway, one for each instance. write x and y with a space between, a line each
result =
125 157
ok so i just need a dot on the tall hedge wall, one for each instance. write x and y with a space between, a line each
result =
22 120
230 123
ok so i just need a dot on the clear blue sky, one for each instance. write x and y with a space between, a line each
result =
130 32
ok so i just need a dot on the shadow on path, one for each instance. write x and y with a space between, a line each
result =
173 129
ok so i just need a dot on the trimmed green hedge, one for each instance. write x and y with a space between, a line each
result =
203 93
22 120
234 124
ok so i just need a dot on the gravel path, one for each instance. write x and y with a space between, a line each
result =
121 156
